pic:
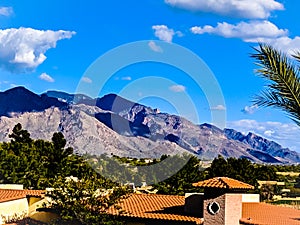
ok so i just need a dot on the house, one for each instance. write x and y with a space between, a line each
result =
18 204
222 203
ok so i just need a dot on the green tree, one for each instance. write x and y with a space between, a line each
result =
283 91
181 182
267 192
297 184
86 201
37 163
20 135
240 169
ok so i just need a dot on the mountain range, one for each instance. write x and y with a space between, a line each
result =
114 125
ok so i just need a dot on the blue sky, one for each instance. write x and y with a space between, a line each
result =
49 45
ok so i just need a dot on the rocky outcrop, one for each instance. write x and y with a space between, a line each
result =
114 125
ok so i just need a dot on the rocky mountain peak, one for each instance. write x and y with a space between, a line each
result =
112 124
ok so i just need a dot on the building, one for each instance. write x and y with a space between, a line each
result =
222 203
18 204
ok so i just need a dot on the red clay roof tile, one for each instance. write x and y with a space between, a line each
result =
224 183
266 214
10 194
154 206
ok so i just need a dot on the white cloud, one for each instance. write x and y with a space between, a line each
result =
179 34
6 11
286 134
154 47
86 80
250 109
254 31
126 78
177 88
23 49
218 108
269 133
163 33
285 44
251 9
46 77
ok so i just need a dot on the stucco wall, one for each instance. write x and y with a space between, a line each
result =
14 208
233 210
218 218
230 209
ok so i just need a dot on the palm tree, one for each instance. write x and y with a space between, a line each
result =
283 90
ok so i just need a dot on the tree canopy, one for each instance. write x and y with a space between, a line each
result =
79 193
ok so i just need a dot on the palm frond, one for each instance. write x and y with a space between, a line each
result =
283 90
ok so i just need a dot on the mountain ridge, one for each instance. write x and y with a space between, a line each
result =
114 125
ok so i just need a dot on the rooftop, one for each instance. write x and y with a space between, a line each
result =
223 183
170 208
266 214
10 194
154 206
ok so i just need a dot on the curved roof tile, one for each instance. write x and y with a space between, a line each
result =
224 183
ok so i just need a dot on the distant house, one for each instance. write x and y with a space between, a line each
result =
273 183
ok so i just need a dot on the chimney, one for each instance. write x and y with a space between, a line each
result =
222 202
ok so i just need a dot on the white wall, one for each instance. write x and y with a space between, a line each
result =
10 209
250 198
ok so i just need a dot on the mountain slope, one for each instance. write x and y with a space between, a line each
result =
20 100
114 125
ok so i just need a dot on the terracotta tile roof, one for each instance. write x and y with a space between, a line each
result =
154 206
223 182
10 194
266 214
170 208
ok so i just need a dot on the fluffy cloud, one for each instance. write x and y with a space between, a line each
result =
46 77
251 9
154 47
86 80
250 109
23 49
286 134
254 31
218 108
177 88
6 11
164 33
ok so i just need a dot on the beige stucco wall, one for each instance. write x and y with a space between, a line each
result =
13 208
233 210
